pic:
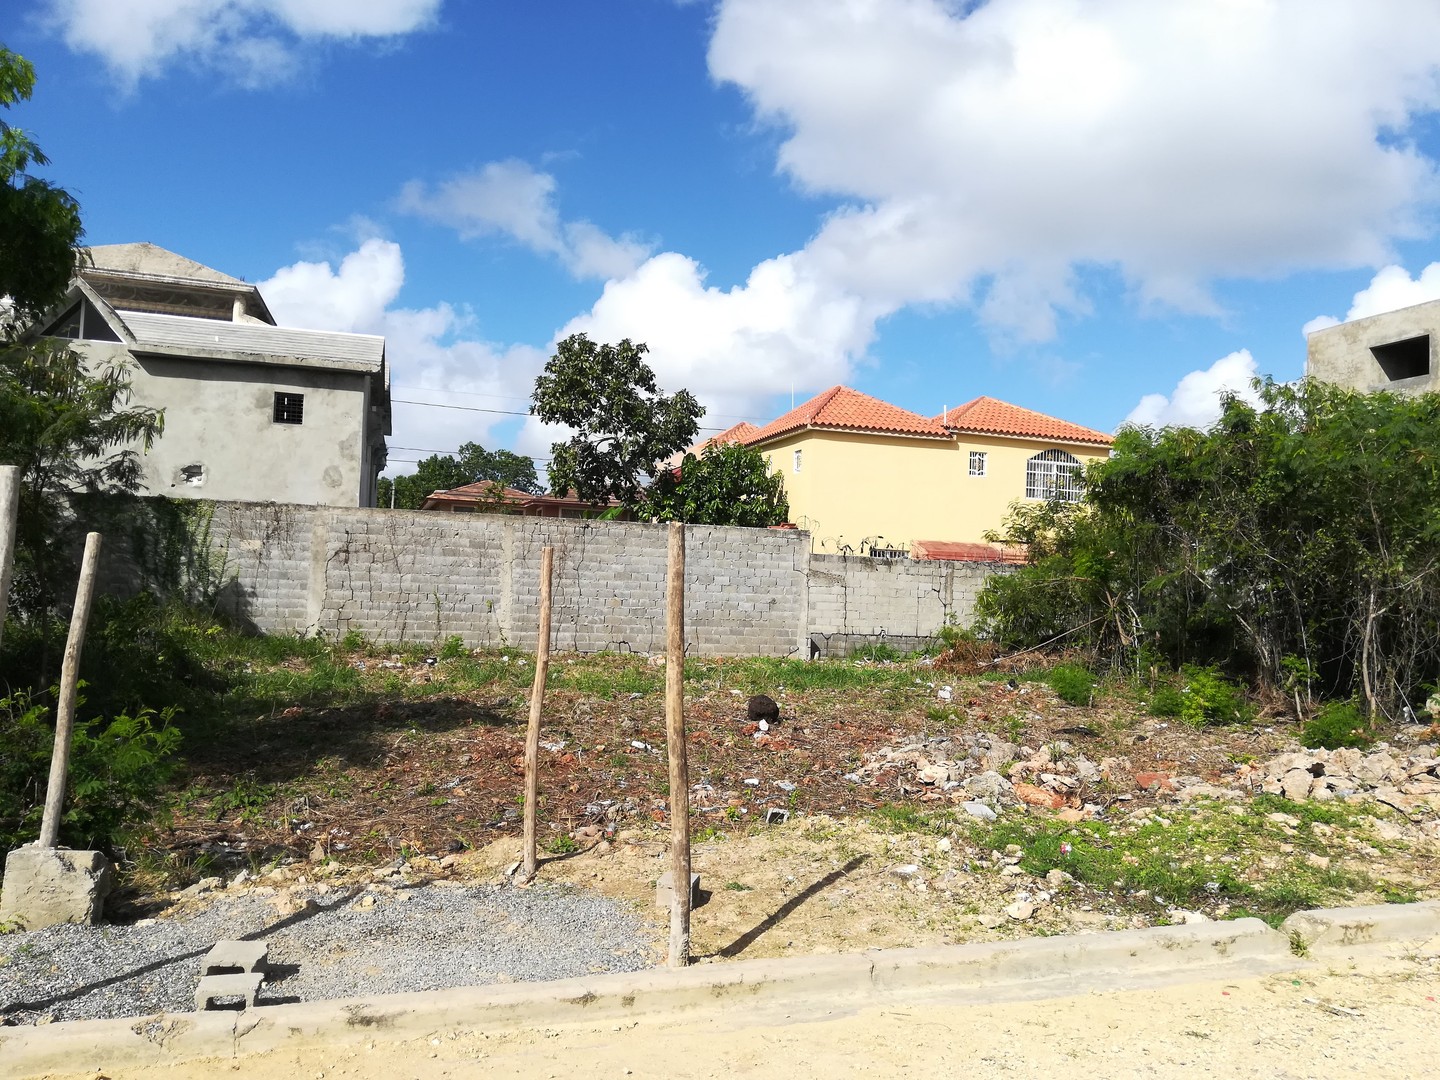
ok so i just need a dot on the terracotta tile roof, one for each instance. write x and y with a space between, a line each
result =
958 552
738 433
488 491
992 416
849 410
735 434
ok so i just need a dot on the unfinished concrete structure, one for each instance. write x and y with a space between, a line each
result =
254 412
1393 351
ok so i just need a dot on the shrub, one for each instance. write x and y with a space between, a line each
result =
1167 701
1074 684
118 772
1209 698
453 648
1338 724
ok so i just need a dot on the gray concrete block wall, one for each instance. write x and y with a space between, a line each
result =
421 577
856 600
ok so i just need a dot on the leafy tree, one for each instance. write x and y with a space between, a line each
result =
504 467
623 425
473 464
69 429
40 226
1300 535
726 485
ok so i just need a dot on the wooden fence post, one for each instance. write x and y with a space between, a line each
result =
69 681
675 749
9 523
537 698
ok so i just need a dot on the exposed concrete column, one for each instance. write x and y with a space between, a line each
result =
9 520
237 312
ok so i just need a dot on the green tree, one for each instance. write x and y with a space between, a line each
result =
1300 535
726 485
69 429
623 425
40 227
472 465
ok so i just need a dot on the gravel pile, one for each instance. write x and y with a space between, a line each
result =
375 941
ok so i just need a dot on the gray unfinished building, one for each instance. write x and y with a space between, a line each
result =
1393 351
254 412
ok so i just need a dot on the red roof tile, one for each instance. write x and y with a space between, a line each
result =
844 409
958 552
992 416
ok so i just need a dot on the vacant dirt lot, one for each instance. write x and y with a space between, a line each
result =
399 762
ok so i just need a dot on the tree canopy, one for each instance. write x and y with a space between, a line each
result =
1297 543
69 429
39 222
472 464
624 427
726 484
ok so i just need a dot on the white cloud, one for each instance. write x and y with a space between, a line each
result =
992 150
254 41
1195 401
509 198
734 349
1391 289
432 347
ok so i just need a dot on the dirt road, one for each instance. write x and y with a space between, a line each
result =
1380 1019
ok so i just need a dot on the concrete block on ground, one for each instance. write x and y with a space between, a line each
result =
228 957
49 886
1335 931
665 890
212 988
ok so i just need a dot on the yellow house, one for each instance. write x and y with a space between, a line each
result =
864 476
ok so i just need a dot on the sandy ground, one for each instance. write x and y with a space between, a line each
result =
1377 1020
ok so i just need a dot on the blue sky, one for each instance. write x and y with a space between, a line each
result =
1101 209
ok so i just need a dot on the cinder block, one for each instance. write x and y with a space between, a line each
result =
214 987
232 957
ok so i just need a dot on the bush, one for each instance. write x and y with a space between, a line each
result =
1074 684
1338 724
118 773
453 648
1167 701
1208 698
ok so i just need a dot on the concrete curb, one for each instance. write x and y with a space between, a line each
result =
994 971
1339 932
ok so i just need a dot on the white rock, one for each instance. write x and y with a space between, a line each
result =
1020 910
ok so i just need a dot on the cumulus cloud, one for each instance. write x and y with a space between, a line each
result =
735 349
986 153
1195 401
434 347
253 41
1389 290
511 199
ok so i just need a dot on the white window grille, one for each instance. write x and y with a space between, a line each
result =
797 460
977 462
1053 474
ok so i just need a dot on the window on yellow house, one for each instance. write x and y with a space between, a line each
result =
797 460
1053 474
977 462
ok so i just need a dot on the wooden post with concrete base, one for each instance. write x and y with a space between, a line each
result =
45 885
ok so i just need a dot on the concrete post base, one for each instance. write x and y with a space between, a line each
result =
47 886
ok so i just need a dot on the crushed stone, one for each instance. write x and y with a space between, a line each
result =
337 945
